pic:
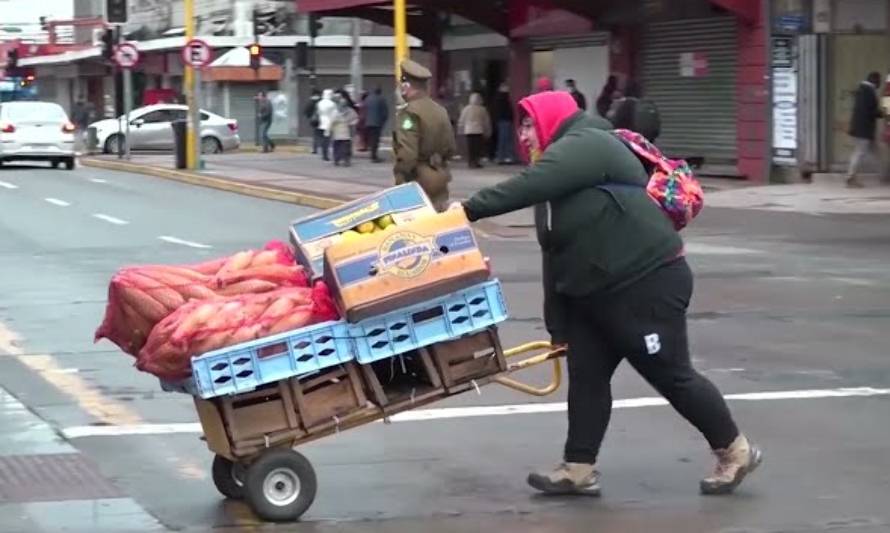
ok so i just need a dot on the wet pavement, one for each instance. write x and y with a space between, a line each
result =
789 319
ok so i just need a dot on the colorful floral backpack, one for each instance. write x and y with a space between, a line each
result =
671 183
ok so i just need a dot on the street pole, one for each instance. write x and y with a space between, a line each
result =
355 69
188 83
195 119
128 107
401 33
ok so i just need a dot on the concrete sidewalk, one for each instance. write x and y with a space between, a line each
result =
47 485
305 179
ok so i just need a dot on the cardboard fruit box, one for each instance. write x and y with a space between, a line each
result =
375 273
395 206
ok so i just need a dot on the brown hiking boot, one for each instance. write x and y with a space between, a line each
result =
568 478
733 464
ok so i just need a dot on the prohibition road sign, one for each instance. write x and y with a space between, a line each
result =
126 55
196 53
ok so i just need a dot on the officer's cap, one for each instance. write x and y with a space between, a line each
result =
413 71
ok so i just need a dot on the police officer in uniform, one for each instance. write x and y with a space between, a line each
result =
423 139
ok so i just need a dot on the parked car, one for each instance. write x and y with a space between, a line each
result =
36 131
151 129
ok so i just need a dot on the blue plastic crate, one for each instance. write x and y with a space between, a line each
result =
244 367
442 319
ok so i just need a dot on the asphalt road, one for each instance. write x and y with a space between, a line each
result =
790 318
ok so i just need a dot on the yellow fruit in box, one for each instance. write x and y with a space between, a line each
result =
367 227
349 235
385 221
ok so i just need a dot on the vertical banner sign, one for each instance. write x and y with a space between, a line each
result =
784 76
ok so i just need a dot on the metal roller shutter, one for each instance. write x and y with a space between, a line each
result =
698 113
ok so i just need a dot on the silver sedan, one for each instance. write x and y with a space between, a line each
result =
151 129
36 131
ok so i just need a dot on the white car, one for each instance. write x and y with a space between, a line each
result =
151 129
36 131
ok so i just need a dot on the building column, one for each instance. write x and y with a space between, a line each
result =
520 69
752 92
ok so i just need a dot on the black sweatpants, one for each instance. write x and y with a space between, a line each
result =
645 323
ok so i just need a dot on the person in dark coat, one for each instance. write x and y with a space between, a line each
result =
376 116
863 126
604 102
579 97
503 115
619 288
311 114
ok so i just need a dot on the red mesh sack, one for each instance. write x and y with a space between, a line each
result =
140 297
203 326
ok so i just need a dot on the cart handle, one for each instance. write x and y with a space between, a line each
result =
551 354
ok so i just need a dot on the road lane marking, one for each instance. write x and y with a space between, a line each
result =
6 185
420 415
85 395
183 242
56 201
98 180
110 219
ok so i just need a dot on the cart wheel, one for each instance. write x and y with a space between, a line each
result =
228 478
280 485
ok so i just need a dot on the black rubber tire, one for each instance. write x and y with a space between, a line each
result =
277 470
216 148
69 164
226 479
55 163
111 143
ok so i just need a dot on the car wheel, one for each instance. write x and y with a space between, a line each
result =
69 163
111 144
211 145
55 163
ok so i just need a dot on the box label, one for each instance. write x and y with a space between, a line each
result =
404 254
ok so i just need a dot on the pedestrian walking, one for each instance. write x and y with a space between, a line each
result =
579 97
343 123
503 115
376 116
423 139
475 124
311 114
265 115
362 126
635 113
543 84
863 127
634 308
604 101
326 109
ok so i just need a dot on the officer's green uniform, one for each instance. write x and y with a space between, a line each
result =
423 141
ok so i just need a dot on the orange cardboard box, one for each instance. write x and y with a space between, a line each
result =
403 265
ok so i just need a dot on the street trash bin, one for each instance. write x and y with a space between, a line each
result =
179 144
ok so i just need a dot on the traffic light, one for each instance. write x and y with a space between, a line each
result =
302 55
44 25
315 26
108 43
256 55
116 11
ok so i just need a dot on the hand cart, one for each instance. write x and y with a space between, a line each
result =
254 435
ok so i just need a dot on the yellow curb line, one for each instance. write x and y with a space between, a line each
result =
222 184
283 149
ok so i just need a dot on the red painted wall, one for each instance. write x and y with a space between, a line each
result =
753 101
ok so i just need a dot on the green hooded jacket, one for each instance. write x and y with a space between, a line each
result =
603 232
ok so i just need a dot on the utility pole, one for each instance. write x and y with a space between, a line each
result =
401 33
188 82
355 67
